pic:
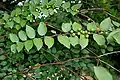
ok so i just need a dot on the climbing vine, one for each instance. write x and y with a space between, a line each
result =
50 40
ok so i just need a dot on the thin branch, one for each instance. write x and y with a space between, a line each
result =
51 54
115 52
109 65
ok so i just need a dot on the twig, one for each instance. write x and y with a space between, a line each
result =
109 65
115 52
51 54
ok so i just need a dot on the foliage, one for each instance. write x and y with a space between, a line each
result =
57 39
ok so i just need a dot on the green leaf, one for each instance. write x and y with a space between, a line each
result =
18 11
2 57
6 17
117 37
76 6
14 38
42 29
91 26
66 27
51 11
45 12
38 43
73 40
10 24
102 74
76 26
110 38
17 26
106 24
13 48
83 41
49 41
28 45
44 2
116 23
17 19
23 23
64 40
19 46
30 32
99 39
66 5
13 13
22 35
58 3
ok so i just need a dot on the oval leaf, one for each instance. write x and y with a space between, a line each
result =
64 40
76 26
14 38
22 35
13 48
106 24
42 29
91 26
19 46
28 45
49 41
99 39
73 40
30 32
38 43
117 37
66 27
83 41
102 74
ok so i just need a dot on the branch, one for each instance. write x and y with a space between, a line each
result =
109 65
115 52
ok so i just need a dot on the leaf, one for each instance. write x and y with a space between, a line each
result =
42 29
28 45
66 27
49 41
6 17
76 6
14 38
83 41
10 24
99 39
17 19
30 32
76 26
45 12
116 23
58 3
38 43
44 2
2 57
64 40
66 5
17 26
117 37
19 46
110 38
51 11
73 40
22 35
13 48
23 23
18 11
106 24
102 74
91 26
